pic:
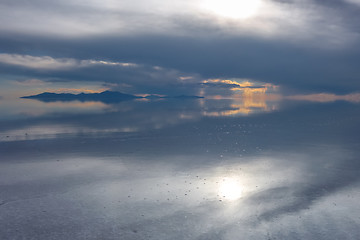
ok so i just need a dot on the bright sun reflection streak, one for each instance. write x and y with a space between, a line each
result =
230 189
240 9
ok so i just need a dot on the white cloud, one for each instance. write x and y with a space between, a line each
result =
44 62
299 21
49 63
120 76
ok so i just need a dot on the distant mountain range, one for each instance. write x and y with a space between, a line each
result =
106 97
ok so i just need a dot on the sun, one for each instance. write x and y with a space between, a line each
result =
237 9
230 189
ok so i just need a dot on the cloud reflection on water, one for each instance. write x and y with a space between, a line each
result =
175 173
37 120
159 194
77 117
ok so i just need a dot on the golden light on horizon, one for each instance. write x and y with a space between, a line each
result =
76 90
236 9
247 101
246 106
242 84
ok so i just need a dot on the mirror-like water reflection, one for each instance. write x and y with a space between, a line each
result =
32 119
179 169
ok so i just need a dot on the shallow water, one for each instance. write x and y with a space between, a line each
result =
179 169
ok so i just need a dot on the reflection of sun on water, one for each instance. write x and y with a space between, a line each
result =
230 189
247 97
246 104
233 8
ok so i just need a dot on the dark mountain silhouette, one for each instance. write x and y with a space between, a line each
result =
106 97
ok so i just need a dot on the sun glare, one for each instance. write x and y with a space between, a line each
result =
239 9
230 189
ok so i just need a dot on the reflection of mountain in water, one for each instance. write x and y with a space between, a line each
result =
96 114
105 97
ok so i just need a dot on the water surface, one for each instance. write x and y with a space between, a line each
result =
179 169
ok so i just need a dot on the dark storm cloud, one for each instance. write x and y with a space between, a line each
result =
311 45
123 76
279 63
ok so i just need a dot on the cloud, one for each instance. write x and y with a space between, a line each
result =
49 63
121 76
229 83
30 82
236 88
298 21
309 45
238 84
45 62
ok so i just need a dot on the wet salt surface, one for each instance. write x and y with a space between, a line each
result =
289 174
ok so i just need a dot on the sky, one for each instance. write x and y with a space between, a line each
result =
197 47
268 70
